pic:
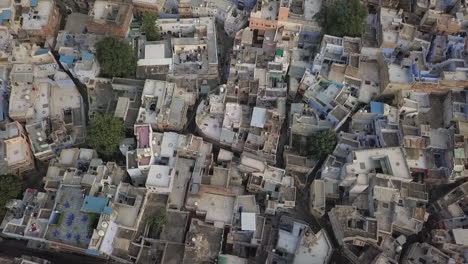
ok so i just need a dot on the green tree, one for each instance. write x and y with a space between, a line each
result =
157 221
343 18
116 57
105 133
322 143
10 188
149 26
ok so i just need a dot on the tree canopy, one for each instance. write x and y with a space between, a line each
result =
343 18
105 133
10 188
157 221
149 26
322 143
116 57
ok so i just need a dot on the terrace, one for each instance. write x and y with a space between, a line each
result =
72 226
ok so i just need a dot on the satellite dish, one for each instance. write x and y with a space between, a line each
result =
101 233
104 224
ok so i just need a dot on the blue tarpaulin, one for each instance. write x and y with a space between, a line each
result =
387 50
66 59
107 210
88 56
34 3
94 204
166 15
376 107
92 252
5 15
2 117
41 52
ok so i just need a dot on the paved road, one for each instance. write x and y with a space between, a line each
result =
16 248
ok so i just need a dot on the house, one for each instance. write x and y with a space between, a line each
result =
189 50
15 151
165 105
41 20
108 17
86 207
119 97
297 243
77 54
52 108
203 242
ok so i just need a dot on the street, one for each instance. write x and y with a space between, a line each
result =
17 248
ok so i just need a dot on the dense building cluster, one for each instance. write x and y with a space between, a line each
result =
251 134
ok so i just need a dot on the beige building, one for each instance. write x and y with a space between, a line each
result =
142 6
111 18
394 77
15 151
165 105
440 24
43 20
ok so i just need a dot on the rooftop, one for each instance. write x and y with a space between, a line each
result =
390 161
95 204
109 12
399 74
5 3
75 227
159 176
203 243
38 16
460 236
175 232
313 248
216 202
16 151
182 177
258 117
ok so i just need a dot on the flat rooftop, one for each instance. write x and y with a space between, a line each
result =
159 175
74 228
314 249
399 74
270 10
175 231
35 21
169 144
155 51
211 126
37 137
391 160
127 215
143 136
76 23
183 174
110 12
218 206
173 253
16 151
203 243
5 3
